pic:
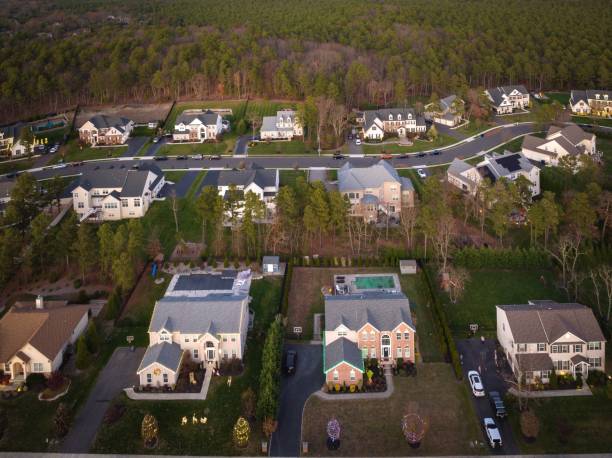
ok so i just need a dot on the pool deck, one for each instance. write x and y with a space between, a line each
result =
350 280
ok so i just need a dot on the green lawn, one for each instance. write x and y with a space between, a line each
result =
418 145
52 136
487 288
561 97
139 308
474 128
280 147
176 149
593 121
174 176
288 177
71 152
143 131
14 166
221 408
512 146
570 424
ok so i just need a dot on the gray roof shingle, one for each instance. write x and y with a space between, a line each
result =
534 361
104 122
208 118
261 177
342 350
351 178
166 354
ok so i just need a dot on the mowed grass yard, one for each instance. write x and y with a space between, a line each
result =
221 408
487 288
570 425
71 152
418 145
295 147
373 428
177 149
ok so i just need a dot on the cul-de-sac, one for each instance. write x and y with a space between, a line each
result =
324 228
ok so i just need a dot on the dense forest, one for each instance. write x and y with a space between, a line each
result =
58 53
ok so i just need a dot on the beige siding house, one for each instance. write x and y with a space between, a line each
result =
34 336
284 126
375 191
591 102
449 113
402 122
542 336
197 126
559 142
106 130
507 99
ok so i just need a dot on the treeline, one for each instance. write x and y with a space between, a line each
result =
355 51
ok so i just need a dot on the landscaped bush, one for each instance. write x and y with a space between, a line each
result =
248 402
597 378
269 380
36 382
61 420
286 287
55 381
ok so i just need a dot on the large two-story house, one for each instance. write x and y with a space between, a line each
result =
365 325
197 126
284 126
10 143
543 336
104 195
106 130
559 142
510 166
592 101
374 191
448 113
198 322
34 336
507 99
263 182
375 124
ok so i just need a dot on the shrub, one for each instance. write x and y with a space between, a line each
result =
36 382
82 297
61 420
286 287
248 403
114 413
530 425
553 380
113 306
82 355
92 337
77 283
596 378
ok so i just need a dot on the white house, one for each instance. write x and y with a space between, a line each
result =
544 335
197 126
284 126
10 143
506 99
263 182
398 121
114 194
203 325
592 101
510 166
559 142
106 130
34 336
448 114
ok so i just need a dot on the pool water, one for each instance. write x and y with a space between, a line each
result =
381 282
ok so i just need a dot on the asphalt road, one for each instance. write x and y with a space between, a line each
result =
295 390
480 355
119 373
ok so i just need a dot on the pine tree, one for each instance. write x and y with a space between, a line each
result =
83 357
61 420
86 247
92 337
241 432
107 249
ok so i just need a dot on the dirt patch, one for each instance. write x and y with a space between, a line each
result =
139 113
305 297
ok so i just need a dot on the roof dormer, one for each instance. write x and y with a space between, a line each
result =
390 117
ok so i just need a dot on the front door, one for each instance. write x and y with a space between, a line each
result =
18 371
386 346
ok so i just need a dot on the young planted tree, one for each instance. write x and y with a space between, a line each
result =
83 357
123 272
65 236
254 213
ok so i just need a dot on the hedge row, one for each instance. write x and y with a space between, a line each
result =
286 287
509 258
447 342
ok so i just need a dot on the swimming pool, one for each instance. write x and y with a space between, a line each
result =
375 282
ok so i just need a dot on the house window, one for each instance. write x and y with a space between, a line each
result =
372 352
165 378
371 335
336 375
399 336
364 335
578 348
124 203
364 353
561 365
136 202
81 205
541 347
75 195
233 353
406 335
595 362
407 352
186 339
163 337
149 378
559 348
399 352
342 333
594 346
37 367
352 375
225 339
195 353
233 339
521 348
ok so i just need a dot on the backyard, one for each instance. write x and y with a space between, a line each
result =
578 424
487 288
373 428
221 408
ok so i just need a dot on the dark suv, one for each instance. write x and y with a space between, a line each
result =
290 362
498 404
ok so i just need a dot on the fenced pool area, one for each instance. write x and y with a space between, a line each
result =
362 283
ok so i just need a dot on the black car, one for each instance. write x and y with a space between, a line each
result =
404 156
338 156
497 404
436 153
160 158
181 158
290 362
421 155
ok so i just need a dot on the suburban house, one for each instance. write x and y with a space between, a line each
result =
542 336
510 166
10 143
375 191
196 322
34 336
106 130
559 142
284 126
365 325
198 126
448 113
403 122
506 99
114 194
263 182
592 101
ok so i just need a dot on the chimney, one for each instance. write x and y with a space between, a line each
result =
40 302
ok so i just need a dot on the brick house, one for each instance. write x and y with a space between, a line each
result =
367 325
106 130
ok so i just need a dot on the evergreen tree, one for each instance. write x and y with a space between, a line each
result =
86 247
83 357
107 249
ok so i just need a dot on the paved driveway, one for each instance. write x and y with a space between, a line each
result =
154 147
477 354
295 390
242 145
185 183
119 373
354 149
134 145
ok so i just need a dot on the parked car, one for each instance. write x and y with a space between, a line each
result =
421 173
290 362
386 156
421 155
160 158
436 153
492 431
136 166
214 157
338 156
60 166
155 139
476 384
181 158
404 156
53 149
497 404
196 156
11 175
358 142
